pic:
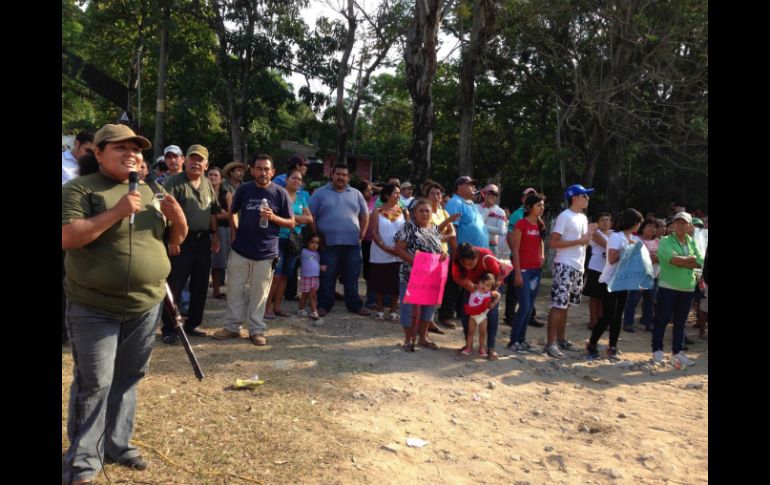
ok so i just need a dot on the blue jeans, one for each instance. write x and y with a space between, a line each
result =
492 321
406 309
648 305
671 302
526 296
110 359
347 260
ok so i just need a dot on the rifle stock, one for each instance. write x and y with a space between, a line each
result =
170 306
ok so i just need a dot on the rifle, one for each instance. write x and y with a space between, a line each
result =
170 306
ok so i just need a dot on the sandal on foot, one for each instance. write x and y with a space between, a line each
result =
282 313
492 355
269 316
483 352
428 345
465 351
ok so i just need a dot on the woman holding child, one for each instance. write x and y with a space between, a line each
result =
468 266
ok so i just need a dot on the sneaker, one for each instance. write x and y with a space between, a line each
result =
513 347
566 345
134 462
657 357
170 339
224 334
313 316
466 351
195 333
553 351
535 323
524 348
613 354
482 352
302 313
683 360
592 353
379 317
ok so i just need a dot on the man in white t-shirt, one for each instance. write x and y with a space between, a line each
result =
84 142
494 217
571 233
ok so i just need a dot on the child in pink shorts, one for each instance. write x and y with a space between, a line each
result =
309 281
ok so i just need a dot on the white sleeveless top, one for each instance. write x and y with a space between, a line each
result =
598 254
387 229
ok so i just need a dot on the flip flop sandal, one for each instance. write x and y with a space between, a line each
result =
282 313
428 345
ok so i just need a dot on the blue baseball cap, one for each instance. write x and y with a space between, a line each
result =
576 189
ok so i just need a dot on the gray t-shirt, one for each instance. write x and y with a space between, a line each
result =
336 214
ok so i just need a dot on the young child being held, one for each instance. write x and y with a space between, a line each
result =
477 308
309 281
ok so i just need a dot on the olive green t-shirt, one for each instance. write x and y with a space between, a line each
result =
98 274
197 204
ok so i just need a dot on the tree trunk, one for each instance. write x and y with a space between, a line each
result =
483 23
343 123
420 59
160 103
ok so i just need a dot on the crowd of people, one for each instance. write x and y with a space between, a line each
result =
185 223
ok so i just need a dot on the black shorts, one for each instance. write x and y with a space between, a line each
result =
593 288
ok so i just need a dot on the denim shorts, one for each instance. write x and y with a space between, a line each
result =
286 262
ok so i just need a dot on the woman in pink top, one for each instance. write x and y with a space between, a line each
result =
527 254
648 232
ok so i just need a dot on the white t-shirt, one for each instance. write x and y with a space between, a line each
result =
598 254
572 226
69 167
616 241
494 220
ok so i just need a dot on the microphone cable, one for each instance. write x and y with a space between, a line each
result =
116 367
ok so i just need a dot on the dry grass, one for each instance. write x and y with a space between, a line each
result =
335 395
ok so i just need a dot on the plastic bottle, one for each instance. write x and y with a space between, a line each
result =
263 222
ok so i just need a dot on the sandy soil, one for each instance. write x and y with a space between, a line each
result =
339 402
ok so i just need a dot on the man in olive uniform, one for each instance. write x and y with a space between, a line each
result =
192 259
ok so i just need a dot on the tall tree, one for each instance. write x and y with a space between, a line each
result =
262 35
472 61
420 60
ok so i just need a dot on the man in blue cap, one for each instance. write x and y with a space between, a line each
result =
571 233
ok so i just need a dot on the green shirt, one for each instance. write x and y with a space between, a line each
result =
515 217
98 274
197 204
676 277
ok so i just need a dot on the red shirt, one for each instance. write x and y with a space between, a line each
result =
529 247
483 265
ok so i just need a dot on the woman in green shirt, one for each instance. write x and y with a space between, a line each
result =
678 256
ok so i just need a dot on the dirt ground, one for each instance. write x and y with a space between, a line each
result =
340 401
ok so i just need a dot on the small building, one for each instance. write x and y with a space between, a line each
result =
360 165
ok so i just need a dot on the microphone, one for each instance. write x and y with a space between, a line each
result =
133 184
